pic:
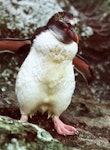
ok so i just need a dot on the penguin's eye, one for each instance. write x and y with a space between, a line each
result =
70 25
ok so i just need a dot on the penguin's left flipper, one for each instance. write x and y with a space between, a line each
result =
83 68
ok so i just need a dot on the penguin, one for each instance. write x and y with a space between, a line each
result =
46 81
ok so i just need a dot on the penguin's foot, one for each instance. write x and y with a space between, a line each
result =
62 128
24 118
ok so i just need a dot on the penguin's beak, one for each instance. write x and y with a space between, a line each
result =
72 34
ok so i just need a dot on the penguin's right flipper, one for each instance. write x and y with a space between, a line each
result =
13 45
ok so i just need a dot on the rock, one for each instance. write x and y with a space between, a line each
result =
25 16
95 17
93 124
17 135
90 107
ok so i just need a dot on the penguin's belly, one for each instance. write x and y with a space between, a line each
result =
47 90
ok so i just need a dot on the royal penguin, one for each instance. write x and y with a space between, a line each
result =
46 80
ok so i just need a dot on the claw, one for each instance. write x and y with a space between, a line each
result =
76 133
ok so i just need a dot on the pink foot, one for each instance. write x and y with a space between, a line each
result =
24 118
62 128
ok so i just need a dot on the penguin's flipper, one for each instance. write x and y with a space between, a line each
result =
13 45
83 68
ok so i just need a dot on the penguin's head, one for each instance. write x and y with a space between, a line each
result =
62 24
